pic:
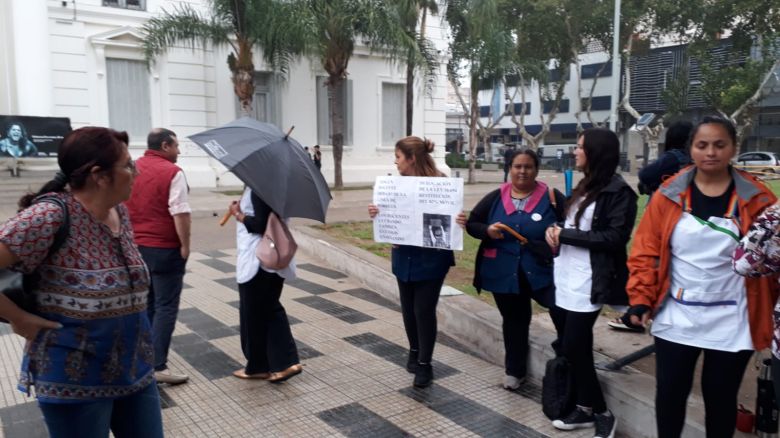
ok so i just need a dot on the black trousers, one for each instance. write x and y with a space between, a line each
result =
776 378
575 338
720 379
266 338
516 319
418 307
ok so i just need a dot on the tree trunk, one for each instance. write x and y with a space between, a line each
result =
409 95
243 75
652 147
335 94
486 144
474 116
244 87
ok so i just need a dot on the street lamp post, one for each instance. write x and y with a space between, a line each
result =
615 68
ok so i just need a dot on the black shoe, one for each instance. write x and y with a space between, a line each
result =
577 419
423 377
411 362
606 424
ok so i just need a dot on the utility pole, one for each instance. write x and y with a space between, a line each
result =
613 117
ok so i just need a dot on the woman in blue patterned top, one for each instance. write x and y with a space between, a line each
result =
89 351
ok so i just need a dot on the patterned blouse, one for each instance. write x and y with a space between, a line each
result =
96 286
758 254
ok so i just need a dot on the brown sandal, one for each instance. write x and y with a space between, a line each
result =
281 376
241 374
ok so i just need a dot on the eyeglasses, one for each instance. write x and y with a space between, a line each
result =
130 166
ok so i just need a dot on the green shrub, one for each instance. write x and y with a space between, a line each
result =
455 161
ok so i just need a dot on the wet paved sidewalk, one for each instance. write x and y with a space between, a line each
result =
353 348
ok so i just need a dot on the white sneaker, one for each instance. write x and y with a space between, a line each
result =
511 383
166 376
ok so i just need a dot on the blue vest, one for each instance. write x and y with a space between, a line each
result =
502 258
414 263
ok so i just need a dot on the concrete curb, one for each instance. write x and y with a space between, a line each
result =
629 393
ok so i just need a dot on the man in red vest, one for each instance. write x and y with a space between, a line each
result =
160 214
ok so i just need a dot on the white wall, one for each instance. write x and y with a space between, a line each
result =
191 89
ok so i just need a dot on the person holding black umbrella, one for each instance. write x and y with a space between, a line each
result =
280 178
266 338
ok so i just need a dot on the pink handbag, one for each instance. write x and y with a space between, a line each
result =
277 247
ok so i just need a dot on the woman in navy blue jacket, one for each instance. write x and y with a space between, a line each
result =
515 273
420 271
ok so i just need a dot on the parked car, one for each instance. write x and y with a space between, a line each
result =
759 161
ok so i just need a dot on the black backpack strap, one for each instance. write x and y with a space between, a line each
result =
64 229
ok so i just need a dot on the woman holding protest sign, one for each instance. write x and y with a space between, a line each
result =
419 271
516 271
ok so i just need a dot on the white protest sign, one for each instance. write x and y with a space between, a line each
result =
419 211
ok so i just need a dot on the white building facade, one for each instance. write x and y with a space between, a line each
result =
83 60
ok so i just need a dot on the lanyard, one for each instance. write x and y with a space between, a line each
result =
732 212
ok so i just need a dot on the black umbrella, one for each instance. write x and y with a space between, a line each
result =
272 164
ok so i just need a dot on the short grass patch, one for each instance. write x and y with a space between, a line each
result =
361 235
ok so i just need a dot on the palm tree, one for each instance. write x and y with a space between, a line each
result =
243 25
412 12
329 31
325 30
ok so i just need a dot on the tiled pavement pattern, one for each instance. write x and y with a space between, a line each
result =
353 348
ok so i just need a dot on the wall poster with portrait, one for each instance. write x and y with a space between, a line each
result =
28 136
418 211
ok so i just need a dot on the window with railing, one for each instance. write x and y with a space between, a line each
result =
548 105
139 5
598 103
590 71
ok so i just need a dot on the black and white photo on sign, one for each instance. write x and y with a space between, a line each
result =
436 230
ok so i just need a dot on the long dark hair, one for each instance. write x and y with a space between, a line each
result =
78 153
421 150
602 153
23 140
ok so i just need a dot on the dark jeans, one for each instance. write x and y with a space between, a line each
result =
506 173
137 415
720 379
516 318
776 378
266 338
575 337
418 307
166 268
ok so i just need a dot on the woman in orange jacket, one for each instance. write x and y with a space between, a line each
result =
681 275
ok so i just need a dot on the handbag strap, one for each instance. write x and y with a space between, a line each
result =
64 230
